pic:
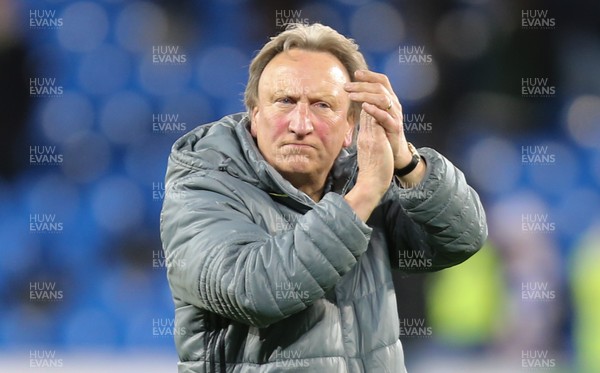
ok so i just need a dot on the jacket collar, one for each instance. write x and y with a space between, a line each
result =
228 145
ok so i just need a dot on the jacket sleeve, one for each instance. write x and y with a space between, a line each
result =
219 259
437 224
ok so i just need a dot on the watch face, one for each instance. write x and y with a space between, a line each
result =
415 153
413 150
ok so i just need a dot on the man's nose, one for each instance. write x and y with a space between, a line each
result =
300 122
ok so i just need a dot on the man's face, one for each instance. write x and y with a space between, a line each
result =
301 119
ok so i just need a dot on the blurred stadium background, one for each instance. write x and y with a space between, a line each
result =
93 94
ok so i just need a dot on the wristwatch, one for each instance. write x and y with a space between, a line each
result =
416 158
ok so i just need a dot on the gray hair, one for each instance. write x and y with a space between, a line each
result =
315 37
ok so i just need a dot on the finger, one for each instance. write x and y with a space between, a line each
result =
382 117
382 101
372 77
366 122
365 87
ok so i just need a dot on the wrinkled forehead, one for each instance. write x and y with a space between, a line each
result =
298 75
295 86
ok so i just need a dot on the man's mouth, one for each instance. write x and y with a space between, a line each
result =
298 145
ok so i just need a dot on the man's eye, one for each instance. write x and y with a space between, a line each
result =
323 105
285 100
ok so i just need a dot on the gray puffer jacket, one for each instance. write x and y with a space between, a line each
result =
266 280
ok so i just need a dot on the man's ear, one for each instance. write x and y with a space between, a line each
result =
254 121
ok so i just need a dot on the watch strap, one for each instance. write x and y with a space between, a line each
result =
416 158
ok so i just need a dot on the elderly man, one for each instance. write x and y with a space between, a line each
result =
281 225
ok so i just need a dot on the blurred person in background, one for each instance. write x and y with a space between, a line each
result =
281 225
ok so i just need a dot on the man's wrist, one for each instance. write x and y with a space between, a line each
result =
410 165
411 173
363 200
413 178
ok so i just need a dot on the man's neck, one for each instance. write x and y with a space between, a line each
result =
310 186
